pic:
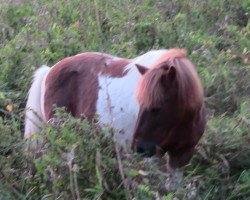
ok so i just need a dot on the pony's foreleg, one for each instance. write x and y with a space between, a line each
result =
34 107
177 159
181 157
174 179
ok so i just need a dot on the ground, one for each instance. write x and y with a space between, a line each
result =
82 161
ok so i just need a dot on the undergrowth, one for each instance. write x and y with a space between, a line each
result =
78 160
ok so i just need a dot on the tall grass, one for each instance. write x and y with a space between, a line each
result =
78 160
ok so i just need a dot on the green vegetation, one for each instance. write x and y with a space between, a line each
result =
81 161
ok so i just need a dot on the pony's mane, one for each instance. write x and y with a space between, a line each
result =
150 91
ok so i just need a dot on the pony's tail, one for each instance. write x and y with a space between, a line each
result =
34 109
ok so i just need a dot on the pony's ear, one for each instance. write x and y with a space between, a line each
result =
165 67
141 69
171 73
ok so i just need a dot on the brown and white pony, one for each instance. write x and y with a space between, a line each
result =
155 101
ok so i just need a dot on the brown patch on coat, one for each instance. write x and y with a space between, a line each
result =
116 68
73 83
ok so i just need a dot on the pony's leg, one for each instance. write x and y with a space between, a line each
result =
177 159
174 179
180 158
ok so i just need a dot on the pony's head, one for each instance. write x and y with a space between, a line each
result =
166 91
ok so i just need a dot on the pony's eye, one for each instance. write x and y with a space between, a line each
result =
155 110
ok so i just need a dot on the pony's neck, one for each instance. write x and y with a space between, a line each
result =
149 58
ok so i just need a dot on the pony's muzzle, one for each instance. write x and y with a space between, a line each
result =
146 149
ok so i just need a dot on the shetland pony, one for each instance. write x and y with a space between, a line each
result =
154 101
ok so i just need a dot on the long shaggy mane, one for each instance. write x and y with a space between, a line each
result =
150 91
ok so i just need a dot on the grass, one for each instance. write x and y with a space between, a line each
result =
80 161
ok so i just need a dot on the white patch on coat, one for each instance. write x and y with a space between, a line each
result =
33 113
117 106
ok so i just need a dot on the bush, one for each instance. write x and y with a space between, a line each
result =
77 158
